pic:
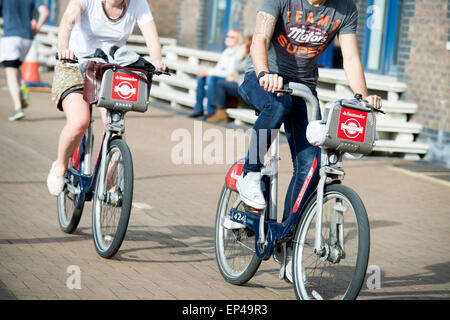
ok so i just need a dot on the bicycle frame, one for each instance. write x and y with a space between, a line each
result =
80 181
268 232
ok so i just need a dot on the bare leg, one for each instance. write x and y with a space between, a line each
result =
13 80
77 121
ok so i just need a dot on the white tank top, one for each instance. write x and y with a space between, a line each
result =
94 30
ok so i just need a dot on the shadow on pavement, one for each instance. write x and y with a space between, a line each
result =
391 286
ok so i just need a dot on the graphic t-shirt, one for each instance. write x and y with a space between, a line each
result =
17 17
303 32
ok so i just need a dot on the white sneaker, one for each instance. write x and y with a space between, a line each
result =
249 188
55 184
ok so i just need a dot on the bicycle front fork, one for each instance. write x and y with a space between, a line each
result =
331 168
114 125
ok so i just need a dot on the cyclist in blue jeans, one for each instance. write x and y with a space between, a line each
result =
289 37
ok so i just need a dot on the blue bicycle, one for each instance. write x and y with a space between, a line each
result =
326 245
109 183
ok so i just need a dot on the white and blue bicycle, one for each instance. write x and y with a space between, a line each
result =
330 236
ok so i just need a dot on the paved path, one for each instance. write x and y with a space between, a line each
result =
169 250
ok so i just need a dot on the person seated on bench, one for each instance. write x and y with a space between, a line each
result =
227 90
224 68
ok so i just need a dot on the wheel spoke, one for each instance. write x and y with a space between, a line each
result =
331 275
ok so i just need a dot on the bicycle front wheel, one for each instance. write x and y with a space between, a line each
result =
235 253
111 209
338 272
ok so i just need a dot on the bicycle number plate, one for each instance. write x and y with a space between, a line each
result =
352 125
238 216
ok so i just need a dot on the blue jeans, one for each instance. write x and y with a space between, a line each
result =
210 82
274 111
224 88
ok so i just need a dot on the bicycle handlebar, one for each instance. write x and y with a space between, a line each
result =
302 91
312 103
167 72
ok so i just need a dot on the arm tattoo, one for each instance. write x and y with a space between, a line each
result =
265 24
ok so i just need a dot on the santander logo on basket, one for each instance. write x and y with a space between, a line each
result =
352 125
125 87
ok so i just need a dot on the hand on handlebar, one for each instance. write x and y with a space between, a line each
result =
65 55
271 83
374 100
160 66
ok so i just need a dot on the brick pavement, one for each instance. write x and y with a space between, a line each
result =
168 252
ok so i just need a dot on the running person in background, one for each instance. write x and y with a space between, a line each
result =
289 37
85 26
17 38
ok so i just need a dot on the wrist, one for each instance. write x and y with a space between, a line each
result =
262 74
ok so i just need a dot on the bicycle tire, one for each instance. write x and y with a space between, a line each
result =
108 236
317 277
228 265
68 216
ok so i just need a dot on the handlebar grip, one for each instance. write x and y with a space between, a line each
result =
66 59
284 91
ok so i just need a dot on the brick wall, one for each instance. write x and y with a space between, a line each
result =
165 13
192 26
404 46
426 67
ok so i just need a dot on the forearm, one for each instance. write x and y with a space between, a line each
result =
43 16
259 50
264 27
355 75
64 32
67 23
152 41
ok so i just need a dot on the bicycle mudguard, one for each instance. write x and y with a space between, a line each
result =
234 174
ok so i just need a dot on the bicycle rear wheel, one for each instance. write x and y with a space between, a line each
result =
111 210
68 215
235 253
339 272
